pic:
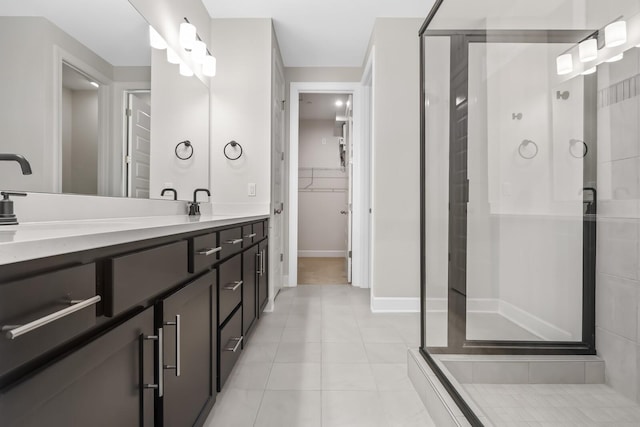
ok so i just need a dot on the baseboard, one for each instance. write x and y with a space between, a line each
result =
476 305
533 324
395 305
321 254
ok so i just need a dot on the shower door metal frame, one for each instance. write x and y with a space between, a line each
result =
457 342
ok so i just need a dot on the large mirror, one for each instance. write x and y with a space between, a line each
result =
93 108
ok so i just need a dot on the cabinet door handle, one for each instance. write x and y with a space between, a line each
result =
209 251
176 323
262 262
233 241
259 263
160 385
233 344
249 236
233 286
14 331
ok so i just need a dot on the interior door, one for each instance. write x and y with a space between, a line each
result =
349 150
139 147
276 235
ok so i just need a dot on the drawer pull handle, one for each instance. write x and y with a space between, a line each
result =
14 331
233 344
233 286
233 241
209 251
249 236
175 323
160 385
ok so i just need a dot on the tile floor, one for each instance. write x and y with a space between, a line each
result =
323 359
558 405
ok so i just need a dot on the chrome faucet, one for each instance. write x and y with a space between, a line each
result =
24 163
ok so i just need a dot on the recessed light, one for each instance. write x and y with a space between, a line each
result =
339 103
94 84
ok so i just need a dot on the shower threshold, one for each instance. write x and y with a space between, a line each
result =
519 391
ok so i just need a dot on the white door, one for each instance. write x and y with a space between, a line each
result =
276 236
139 147
349 150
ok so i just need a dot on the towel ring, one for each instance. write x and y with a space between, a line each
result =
585 149
188 148
235 146
524 144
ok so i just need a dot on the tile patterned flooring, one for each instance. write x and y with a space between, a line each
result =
557 405
322 359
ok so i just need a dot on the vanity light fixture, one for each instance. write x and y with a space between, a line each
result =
615 34
564 64
616 58
589 71
172 56
588 50
187 35
185 70
209 66
155 40
199 51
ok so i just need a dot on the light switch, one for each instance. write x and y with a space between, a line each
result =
251 189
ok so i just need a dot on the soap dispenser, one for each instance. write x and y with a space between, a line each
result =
7 217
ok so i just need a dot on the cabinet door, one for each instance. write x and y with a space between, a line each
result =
263 282
189 368
100 384
250 263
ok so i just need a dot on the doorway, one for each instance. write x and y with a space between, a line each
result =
138 143
342 180
324 188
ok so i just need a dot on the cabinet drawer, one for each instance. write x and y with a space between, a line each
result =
259 229
248 236
229 287
137 277
30 300
203 252
230 346
231 241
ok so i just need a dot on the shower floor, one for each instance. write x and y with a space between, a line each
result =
520 405
480 326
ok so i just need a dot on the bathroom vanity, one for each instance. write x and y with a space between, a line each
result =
126 322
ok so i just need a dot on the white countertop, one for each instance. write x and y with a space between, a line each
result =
43 239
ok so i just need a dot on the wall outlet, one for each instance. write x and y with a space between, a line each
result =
251 189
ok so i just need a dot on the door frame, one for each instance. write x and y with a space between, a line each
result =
360 263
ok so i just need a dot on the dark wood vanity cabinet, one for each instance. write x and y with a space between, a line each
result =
164 325
189 353
103 383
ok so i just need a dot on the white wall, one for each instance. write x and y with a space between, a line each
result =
241 111
396 167
84 142
179 111
321 228
26 88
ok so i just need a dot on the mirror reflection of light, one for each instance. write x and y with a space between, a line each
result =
589 71
615 58
564 64
615 34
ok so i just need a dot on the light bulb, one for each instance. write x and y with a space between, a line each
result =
339 103
209 66
615 34
615 58
199 51
564 64
172 56
155 40
588 50
187 35
185 70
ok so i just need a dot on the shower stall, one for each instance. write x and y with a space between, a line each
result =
530 188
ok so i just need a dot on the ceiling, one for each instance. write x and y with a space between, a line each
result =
321 33
321 106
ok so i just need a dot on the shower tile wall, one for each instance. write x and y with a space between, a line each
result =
618 281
